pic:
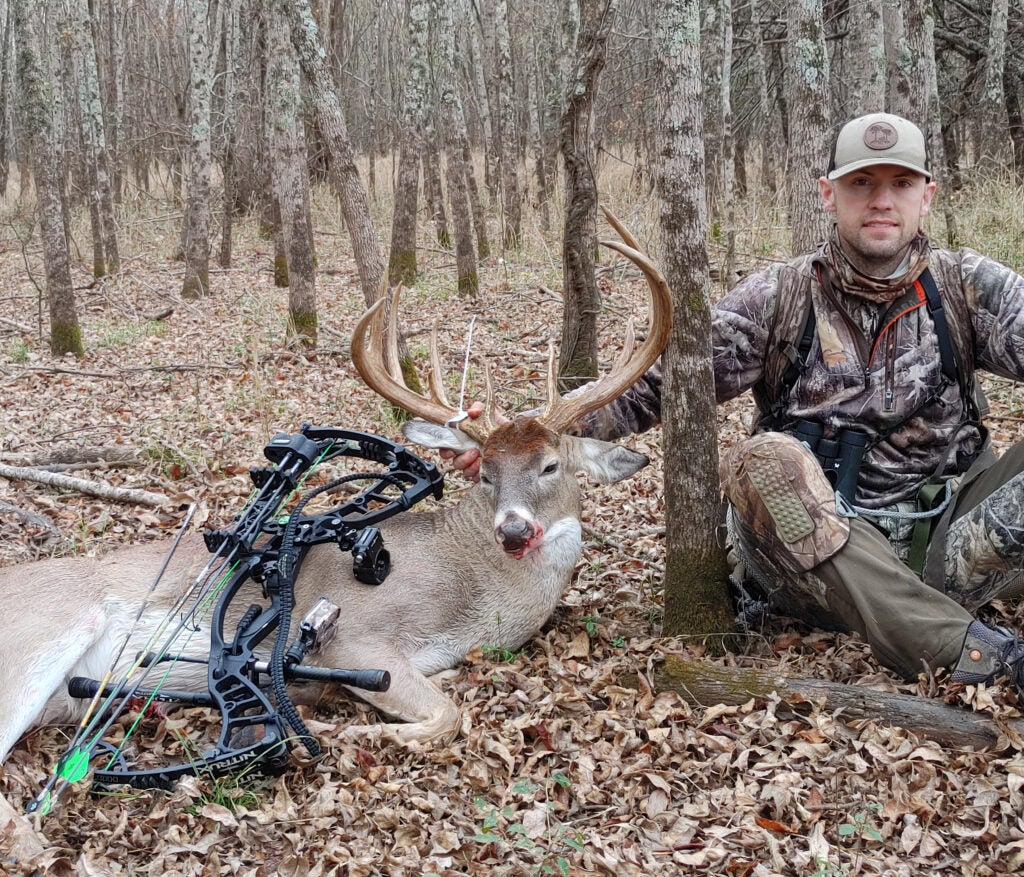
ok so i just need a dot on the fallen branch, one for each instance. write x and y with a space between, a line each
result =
30 518
705 683
93 488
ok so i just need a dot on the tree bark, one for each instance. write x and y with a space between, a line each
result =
771 136
864 59
807 87
508 155
197 207
991 112
36 91
705 683
456 141
696 601
578 361
291 181
94 136
402 266
232 62
344 174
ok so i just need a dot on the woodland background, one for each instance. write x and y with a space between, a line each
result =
199 198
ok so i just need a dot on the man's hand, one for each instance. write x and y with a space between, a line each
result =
468 462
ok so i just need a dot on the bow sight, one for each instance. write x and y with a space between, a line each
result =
268 550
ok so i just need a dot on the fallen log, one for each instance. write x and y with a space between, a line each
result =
705 683
93 488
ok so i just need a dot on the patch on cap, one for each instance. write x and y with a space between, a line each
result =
880 135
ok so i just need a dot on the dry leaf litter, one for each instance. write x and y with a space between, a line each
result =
568 761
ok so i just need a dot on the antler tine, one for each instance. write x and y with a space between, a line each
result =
566 411
392 361
491 410
374 351
434 378
551 395
627 346
621 230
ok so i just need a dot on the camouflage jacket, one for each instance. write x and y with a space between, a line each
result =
874 367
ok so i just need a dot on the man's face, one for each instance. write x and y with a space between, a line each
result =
879 210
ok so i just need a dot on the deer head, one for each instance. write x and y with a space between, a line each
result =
528 463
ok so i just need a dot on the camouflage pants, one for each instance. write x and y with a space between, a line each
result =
843 573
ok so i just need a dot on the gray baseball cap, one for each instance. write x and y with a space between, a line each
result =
878 138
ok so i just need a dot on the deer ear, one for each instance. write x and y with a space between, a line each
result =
431 435
604 462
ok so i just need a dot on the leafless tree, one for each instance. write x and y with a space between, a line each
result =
402 261
582 299
807 88
37 88
696 600
197 208
291 182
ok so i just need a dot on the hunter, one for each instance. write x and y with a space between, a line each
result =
868 497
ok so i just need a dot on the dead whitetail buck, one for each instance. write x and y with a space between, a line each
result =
487 571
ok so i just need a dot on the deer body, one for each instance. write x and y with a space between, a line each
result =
488 570
451 587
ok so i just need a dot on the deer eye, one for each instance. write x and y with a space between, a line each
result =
485 480
551 467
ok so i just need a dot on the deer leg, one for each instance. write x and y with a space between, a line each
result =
34 672
423 711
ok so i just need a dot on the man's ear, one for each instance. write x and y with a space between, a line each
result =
828 194
431 435
604 462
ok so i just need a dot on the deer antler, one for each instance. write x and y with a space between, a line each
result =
374 351
561 412
375 355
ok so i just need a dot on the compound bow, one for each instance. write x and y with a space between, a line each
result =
234 671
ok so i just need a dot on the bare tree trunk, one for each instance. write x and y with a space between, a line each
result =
454 124
991 112
808 98
94 138
232 62
728 148
483 241
197 207
933 117
484 73
37 91
768 124
6 93
913 97
115 94
864 59
712 18
696 600
582 299
344 174
402 260
432 187
291 180
902 66
508 156
535 113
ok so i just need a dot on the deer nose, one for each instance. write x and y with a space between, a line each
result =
515 533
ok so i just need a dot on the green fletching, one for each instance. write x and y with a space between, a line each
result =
74 765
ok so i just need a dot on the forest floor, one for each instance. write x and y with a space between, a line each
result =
562 765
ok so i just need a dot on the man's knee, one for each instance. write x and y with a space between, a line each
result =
781 496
